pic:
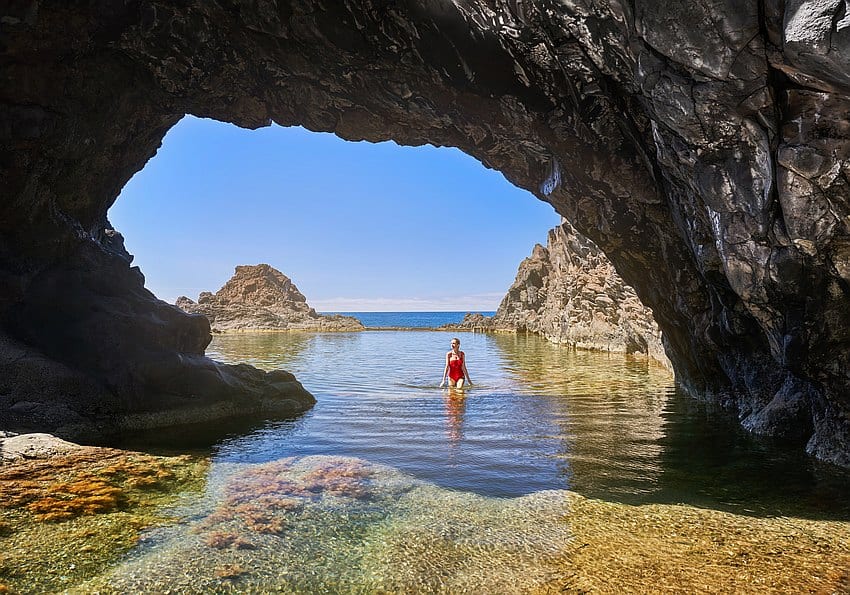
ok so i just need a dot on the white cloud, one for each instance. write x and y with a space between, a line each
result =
475 302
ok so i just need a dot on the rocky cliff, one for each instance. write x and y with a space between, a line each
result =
260 297
703 146
570 293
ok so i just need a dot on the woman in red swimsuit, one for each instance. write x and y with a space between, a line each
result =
456 366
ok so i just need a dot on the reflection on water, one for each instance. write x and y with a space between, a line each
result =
455 401
538 417
267 350
607 410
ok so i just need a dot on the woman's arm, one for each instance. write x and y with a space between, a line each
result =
445 371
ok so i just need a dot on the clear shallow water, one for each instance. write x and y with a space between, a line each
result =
538 417
390 484
408 319
325 524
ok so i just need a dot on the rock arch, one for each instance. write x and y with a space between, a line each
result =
703 147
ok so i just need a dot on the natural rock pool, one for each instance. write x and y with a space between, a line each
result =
557 470
538 417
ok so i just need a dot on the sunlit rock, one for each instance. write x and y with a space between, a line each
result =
260 297
570 293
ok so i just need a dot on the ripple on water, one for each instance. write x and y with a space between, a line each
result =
539 416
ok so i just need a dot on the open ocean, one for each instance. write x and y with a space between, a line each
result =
408 319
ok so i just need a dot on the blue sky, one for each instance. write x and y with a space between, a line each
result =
357 226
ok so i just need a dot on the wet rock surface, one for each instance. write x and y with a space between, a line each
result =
704 148
260 297
570 293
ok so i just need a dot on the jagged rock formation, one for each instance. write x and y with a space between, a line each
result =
260 297
570 293
702 146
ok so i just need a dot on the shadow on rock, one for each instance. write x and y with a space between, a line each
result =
87 353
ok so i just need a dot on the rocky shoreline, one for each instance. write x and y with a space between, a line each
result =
261 298
38 394
71 513
570 293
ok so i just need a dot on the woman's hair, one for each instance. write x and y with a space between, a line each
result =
456 339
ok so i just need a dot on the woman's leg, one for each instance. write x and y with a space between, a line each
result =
459 383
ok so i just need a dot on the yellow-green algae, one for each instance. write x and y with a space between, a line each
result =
343 525
65 518
674 548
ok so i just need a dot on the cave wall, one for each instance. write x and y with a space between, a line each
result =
703 146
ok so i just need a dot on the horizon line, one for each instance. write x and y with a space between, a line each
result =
473 310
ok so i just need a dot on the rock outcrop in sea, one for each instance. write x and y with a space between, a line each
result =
702 146
570 293
259 297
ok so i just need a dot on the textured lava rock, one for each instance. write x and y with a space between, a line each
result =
260 297
570 293
87 353
702 146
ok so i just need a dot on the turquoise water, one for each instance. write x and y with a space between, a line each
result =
409 319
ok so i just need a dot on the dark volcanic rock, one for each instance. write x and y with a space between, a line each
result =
570 293
92 353
702 146
260 297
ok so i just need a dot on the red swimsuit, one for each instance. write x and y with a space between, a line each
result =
456 368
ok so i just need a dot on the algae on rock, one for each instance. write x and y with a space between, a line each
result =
66 517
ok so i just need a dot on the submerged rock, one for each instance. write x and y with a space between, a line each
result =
68 511
340 524
570 293
260 297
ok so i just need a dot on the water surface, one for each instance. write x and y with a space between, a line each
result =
538 416
392 484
